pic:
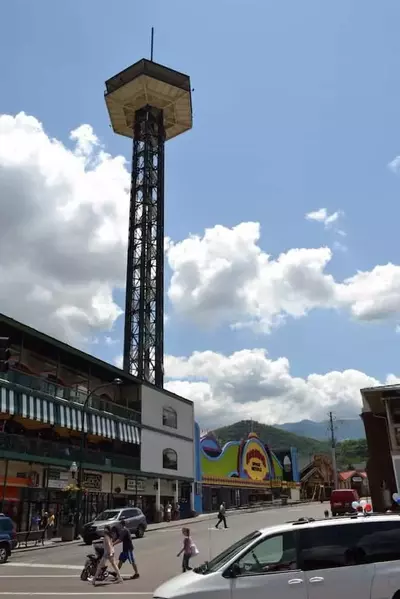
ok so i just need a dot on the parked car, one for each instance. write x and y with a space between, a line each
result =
347 557
8 538
134 518
341 501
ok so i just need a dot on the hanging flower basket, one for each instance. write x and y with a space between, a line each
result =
72 488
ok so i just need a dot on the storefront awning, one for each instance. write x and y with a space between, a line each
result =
7 401
67 415
36 408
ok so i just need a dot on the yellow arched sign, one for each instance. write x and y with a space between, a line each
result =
255 461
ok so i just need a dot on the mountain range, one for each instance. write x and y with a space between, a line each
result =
276 438
351 428
349 451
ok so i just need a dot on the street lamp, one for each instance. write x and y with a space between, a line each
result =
116 381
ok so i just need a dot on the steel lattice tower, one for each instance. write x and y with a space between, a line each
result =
151 104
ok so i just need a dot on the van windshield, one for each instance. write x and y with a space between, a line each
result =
223 558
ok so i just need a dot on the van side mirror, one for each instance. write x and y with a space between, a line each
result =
233 571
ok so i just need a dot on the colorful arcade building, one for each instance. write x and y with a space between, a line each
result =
245 472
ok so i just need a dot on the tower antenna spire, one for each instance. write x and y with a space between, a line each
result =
152 44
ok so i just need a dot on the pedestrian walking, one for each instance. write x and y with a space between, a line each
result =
108 556
221 515
189 549
35 522
50 526
44 523
124 536
168 512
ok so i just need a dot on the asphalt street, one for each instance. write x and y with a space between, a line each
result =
54 571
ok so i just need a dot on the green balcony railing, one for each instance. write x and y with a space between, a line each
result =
33 383
53 452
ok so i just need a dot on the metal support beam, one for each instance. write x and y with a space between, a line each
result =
144 307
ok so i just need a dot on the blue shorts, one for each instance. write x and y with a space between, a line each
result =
127 556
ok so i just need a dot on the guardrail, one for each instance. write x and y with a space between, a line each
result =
30 536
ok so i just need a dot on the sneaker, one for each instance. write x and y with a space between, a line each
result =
135 576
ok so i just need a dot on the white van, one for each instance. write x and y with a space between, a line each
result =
353 557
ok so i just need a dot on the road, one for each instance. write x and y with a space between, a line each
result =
54 572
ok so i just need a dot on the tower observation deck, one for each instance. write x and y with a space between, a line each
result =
149 103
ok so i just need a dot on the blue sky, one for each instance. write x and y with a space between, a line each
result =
296 107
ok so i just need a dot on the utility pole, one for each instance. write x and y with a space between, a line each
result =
333 447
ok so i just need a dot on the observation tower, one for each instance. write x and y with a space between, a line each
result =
151 104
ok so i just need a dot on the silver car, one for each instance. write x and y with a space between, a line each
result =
134 518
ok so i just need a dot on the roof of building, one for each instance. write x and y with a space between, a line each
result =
68 355
349 473
381 388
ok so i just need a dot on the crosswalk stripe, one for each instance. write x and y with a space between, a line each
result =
31 565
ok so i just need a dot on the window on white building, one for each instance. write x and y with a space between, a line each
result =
170 459
170 417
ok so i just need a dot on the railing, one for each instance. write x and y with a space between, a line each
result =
50 449
33 383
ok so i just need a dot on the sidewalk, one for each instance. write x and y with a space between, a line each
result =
162 525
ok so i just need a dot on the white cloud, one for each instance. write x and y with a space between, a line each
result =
372 295
248 384
118 361
394 165
63 238
225 277
339 246
322 216
63 229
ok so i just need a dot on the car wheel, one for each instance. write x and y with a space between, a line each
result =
3 554
87 541
333 514
140 531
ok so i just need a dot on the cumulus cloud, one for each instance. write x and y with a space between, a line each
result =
372 295
63 236
248 384
63 229
225 277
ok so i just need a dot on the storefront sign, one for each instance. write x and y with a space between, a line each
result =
255 460
136 486
57 479
92 482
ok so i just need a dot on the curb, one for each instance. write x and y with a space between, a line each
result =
175 524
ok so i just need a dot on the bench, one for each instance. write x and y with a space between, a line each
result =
30 536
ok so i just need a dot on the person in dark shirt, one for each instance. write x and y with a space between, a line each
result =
125 537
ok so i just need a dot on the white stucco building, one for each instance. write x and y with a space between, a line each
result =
167 443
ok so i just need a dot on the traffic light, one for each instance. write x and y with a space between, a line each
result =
4 353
